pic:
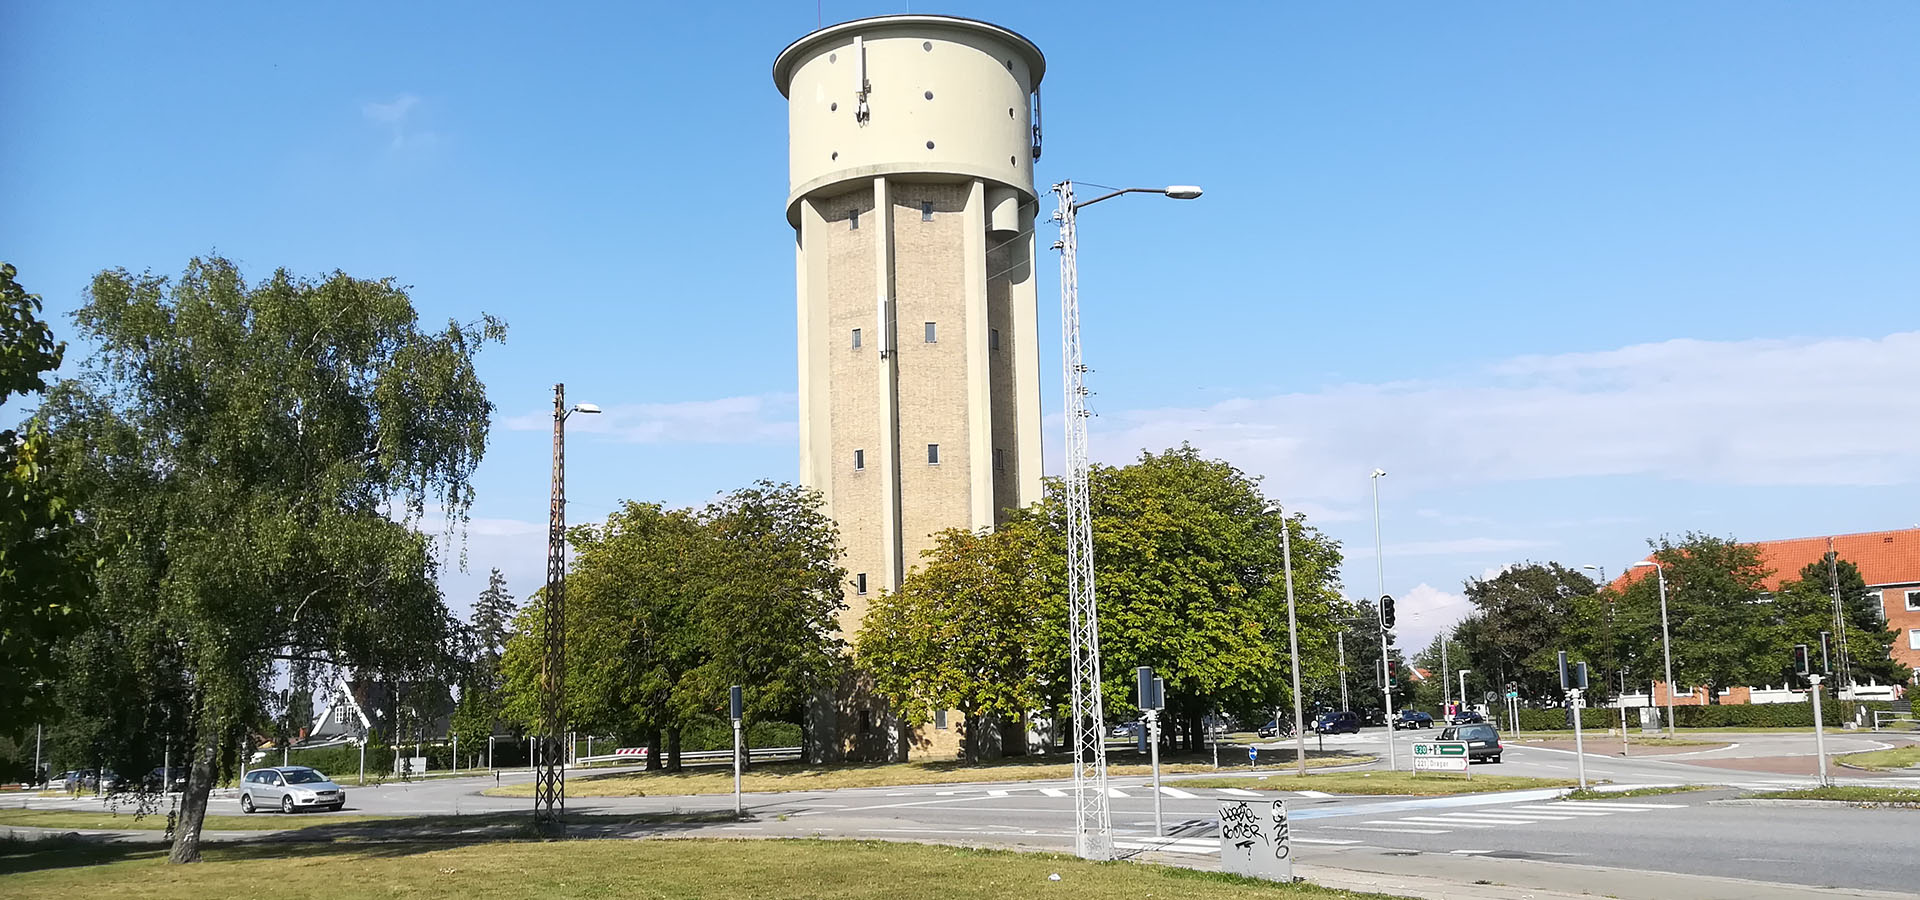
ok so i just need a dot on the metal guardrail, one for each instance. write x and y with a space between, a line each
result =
1883 717
701 756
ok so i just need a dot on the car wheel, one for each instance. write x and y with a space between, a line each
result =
286 804
1496 757
246 803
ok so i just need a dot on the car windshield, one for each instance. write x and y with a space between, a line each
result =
1478 733
304 776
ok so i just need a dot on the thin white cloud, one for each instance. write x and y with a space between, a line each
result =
397 117
1424 612
754 419
1448 547
1836 411
393 112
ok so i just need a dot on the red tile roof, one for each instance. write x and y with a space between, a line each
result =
1884 557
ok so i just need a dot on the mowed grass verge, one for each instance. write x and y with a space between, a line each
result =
1430 784
1881 760
1903 796
127 821
681 869
766 777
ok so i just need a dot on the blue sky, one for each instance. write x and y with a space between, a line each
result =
1575 275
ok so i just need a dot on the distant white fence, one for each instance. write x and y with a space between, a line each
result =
697 757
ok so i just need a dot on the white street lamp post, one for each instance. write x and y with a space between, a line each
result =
1093 827
1380 567
1666 639
1293 645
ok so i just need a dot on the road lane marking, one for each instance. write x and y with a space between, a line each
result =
1301 840
1053 792
1314 794
1116 792
1427 820
1560 809
1624 807
1478 817
1239 793
1178 793
996 793
1393 830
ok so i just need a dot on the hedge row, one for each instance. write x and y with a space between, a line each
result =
1741 715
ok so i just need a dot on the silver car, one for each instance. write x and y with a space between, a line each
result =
290 788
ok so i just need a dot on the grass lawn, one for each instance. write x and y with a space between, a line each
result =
680 869
1636 792
803 777
125 821
1848 794
1896 758
1382 783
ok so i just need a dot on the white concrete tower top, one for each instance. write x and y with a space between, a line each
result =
905 95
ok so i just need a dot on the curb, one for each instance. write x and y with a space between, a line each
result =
1817 804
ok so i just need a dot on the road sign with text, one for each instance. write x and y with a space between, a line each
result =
1440 756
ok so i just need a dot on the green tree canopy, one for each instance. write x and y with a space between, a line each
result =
1804 607
1522 618
246 449
1722 631
43 576
962 633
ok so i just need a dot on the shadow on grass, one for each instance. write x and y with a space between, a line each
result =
355 840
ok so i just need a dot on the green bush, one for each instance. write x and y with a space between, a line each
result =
716 733
1556 719
342 760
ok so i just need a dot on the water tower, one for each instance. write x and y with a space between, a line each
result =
911 147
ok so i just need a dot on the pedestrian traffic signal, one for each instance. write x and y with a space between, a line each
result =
1826 652
1386 610
1801 663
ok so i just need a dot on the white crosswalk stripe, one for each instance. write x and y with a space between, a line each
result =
1053 792
1236 792
1437 822
1178 793
1116 792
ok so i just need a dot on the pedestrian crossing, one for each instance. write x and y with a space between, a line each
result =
1122 793
1437 822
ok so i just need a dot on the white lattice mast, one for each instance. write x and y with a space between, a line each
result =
1093 827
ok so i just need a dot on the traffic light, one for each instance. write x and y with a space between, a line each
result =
1826 652
1801 663
1143 685
1386 610
1566 677
1580 675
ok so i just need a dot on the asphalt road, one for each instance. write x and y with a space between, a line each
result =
1689 833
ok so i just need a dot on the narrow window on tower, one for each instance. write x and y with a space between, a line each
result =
859 460
999 459
860 583
933 454
926 210
931 334
856 339
853 219
940 719
993 339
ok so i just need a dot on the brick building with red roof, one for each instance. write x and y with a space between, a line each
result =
1889 562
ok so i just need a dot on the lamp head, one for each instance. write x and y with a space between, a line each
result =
1183 191
1644 563
586 408
1379 473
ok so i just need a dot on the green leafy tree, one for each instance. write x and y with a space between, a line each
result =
666 609
961 633
1522 618
1190 581
492 618
1723 632
765 619
1804 607
43 573
248 447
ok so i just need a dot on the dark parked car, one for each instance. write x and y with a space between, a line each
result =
1483 740
1467 717
1413 718
1275 728
1337 723
169 780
